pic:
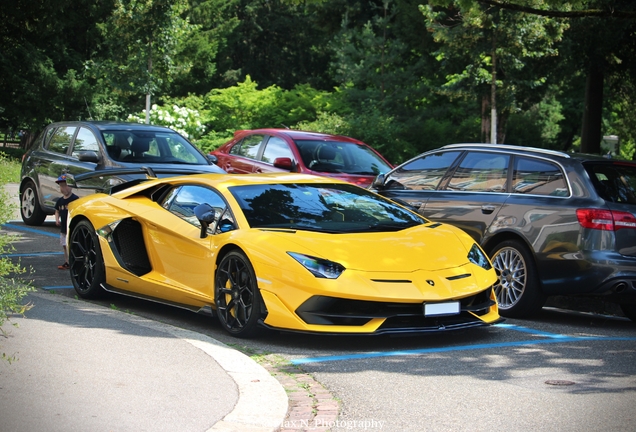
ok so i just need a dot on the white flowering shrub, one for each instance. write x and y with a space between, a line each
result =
184 120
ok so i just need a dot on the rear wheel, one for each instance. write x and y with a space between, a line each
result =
30 210
85 260
629 310
238 299
518 290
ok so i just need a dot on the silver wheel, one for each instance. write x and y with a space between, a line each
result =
511 269
30 209
518 288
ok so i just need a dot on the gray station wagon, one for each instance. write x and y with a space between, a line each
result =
552 223
79 147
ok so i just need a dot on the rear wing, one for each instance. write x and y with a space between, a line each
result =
129 177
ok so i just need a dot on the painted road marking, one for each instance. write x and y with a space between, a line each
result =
21 255
551 338
32 230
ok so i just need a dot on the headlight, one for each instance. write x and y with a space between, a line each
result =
320 268
478 257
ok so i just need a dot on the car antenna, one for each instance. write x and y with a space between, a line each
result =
88 109
284 125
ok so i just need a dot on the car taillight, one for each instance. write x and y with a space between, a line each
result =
605 219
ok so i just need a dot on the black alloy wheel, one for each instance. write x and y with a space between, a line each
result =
517 288
30 210
85 260
238 299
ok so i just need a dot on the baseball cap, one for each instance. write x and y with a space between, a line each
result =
61 179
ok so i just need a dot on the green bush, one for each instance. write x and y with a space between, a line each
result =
12 153
12 288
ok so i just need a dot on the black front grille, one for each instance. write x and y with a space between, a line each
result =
322 310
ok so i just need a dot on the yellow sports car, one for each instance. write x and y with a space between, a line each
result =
283 251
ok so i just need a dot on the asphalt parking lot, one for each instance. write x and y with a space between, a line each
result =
566 370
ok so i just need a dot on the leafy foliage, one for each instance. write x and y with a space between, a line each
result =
402 77
184 120
12 288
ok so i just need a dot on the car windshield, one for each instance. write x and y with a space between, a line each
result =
341 157
333 208
151 147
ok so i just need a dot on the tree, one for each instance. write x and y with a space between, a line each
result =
143 39
495 55
42 57
603 46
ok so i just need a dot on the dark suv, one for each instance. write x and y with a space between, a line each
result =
553 223
79 147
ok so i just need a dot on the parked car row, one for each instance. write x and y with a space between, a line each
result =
552 223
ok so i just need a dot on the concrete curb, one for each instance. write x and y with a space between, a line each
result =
262 404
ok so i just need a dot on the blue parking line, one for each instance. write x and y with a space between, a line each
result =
32 230
50 288
550 340
531 331
19 255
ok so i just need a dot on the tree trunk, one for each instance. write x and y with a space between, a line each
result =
493 93
592 112
485 117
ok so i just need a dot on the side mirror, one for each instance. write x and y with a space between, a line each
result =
284 163
87 156
378 182
206 215
213 159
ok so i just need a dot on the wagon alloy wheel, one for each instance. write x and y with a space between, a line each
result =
517 288
238 300
85 260
30 210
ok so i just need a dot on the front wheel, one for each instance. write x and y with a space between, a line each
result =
30 210
517 289
85 260
238 299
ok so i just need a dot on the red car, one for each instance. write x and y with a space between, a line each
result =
268 150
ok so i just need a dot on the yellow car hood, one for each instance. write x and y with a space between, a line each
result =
420 248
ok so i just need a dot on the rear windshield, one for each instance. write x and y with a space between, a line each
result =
614 182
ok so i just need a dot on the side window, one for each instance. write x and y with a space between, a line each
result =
182 201
179 151
85 140
248 147
481 172
153 148
538 177
276 148
423 173
61 140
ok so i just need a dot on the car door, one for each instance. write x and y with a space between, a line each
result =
181 258
471 197
243 155
55 162
272 149
85 142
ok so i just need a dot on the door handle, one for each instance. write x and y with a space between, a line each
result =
487 209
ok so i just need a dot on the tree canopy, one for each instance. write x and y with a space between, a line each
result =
403 75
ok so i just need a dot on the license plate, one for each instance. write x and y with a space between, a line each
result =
448 308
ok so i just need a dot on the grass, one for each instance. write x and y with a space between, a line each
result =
9 170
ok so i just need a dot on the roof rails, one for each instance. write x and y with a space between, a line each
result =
510 147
